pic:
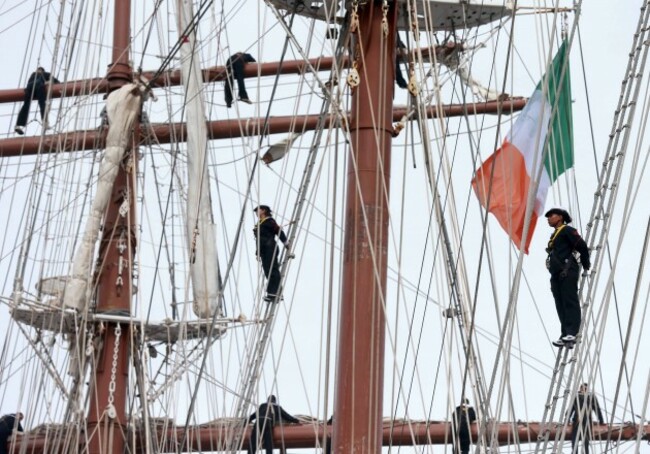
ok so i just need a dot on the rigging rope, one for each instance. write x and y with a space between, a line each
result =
600 218
260 340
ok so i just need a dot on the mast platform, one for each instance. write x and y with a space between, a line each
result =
68 321
448 14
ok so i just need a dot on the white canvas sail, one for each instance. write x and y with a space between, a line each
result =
122 107
201 237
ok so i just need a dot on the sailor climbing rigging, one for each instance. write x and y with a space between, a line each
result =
267 252
564 269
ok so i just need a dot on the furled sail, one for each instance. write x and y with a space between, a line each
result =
201 236
122 107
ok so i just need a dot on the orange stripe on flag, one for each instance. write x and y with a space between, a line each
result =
508 192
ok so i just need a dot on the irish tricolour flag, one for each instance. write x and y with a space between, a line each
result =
541 135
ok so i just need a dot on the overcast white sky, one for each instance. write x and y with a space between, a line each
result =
296 361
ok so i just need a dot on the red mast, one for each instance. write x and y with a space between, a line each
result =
107 421
360 367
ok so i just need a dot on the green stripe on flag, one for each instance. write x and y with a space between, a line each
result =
559 156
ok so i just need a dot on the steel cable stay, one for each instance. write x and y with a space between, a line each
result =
508 323
232 255
372 247
258 343
593 142
35 196
602 209
400 392
328 292
483 425
475 357
473 364
630 203
61 225
502 388
455 293
626 344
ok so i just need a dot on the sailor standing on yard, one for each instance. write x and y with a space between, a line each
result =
7 425
564 270
267 249
36 89
581 415
463 418
266 417
235 72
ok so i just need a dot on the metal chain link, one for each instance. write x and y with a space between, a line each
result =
110 408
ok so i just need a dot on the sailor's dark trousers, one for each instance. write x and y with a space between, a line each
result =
567 304
263 427
580 433
271 266
462 441
235 71
39 94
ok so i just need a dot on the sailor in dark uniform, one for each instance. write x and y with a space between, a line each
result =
463 417
328 439
267 249
7 425
565 271
36 89
266 417
399 77
581 415
235 71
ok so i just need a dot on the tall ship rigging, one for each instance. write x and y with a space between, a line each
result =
136 318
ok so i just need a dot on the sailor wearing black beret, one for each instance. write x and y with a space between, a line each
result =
267 250
565 271
564 213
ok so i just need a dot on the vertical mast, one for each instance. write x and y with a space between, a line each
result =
106 422
360 368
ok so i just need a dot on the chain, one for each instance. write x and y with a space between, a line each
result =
384 18
110 408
